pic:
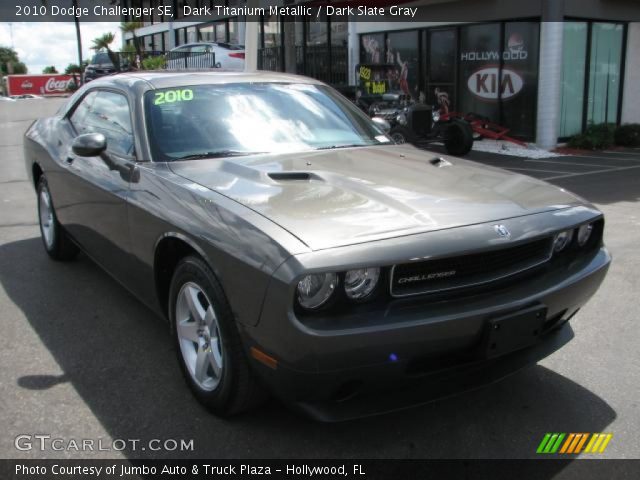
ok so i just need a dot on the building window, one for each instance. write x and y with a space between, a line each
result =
157 42
402 51
207 33
192 35
372 48
573 70
233 32
604 73
441 68
591 76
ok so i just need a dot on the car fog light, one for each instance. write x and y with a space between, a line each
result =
584 233
401 119
359 284
314 290
436 116
562 240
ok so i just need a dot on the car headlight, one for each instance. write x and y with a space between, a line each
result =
584 233
562 240
401 119
359 284
314 290
435 115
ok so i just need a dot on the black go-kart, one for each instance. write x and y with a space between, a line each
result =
409 121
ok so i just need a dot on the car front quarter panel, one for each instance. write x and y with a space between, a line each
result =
242 248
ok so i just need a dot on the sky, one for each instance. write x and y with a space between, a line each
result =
40 44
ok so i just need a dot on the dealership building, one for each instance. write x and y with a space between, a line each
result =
546 69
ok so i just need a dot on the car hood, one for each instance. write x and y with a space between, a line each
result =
339 197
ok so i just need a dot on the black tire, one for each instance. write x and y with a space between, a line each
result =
56 242
401 135
458 138
236 389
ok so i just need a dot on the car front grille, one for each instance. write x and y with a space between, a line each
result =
443 274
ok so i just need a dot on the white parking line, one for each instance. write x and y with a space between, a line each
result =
623 153
572 163
535 170
609 158
606 170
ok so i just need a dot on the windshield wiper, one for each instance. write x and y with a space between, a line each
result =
216 154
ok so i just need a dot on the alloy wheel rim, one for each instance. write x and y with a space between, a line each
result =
47 224
199 336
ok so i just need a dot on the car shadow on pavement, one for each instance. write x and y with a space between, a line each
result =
119 358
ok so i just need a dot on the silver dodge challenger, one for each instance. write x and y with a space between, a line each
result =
295 250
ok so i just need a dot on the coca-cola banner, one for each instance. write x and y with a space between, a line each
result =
56 84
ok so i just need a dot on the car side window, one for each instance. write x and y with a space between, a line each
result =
109 114
200 49
80 113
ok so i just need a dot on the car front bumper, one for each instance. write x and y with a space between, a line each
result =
414 352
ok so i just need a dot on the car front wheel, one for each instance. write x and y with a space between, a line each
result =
56 242
207 341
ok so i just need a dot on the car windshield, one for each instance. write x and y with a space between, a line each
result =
99 58
238 119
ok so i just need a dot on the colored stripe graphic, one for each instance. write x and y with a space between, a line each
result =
553 443
550 443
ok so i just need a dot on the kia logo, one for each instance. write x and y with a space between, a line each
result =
487 83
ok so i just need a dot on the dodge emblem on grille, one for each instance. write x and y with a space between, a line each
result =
502 231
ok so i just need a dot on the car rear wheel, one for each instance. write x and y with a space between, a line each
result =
208 344
56 242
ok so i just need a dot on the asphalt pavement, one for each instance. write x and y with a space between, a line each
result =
83 359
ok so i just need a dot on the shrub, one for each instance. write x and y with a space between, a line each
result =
595 137
153 63
628 135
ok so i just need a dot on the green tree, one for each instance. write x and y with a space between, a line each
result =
76 72
50 69
103 42
9 61
131 27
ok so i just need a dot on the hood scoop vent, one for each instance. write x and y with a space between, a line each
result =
292 176
439 162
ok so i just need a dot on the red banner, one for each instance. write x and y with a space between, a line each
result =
56 84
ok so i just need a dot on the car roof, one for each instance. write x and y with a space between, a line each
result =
148 80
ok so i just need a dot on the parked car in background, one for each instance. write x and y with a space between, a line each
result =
207 55
293 247
99 66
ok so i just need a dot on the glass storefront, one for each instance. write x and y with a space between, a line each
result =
488 69
592 75
573 71
604 73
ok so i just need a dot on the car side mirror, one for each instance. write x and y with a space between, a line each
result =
89 144
382 124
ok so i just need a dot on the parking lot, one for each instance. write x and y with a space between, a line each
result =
83 359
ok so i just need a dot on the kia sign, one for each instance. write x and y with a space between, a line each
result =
39 84
487 83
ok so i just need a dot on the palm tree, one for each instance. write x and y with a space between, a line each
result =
131 27
103 42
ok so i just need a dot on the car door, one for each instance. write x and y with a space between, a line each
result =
95 210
